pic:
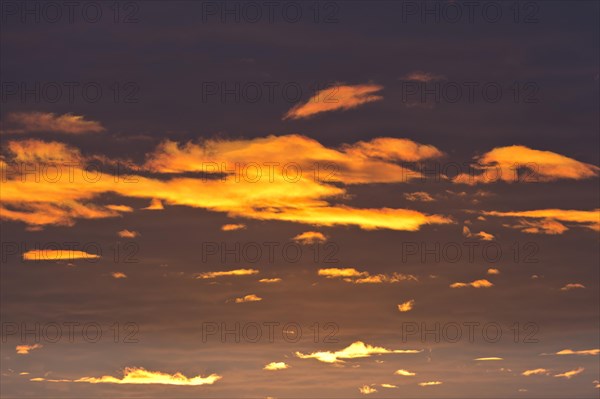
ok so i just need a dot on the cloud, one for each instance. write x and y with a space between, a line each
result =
405 373
571 373
232 227
269 280
310 237
355 350
128 234
155 205
306 200
25 349
492 271
60 254
351 275
338 97
118 275
367 390
430 383
488 359
588 219
388 386
475 284
248 298
544 166
539 371
135 375
406 306
236 272
274 366
545 226
592 352
424 77
481 235
31 122
572 286
419 196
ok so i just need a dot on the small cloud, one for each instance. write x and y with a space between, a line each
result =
351 275
493 271
421 196
406 306
357 349
119 208
405 373
128 233
269 280
118 275
423 77
539 371
482 235
388 386
233 227
57 254
236 272
475 284
571 373
135 375
310 237
367 390
430 383
274 366
592 352
30 122
488 358
25 349
248 298
572 286
340 97
155 205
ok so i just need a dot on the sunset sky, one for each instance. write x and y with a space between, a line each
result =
343 199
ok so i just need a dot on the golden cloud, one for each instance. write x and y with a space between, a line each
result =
128 233
572 286
475 284
248 298
493 271
587 219
488 358
25 349
310 237
405 373
274 366
338 97
118 275
351 275
227 273
233 227
571 373
367 390
269 280
406 306
419 196
502 164
539 371
592 352
355 350
135 375
61 254
430 383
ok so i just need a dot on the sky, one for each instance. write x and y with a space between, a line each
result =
335 199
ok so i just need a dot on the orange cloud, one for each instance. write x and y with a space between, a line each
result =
339 97
155 205
405 373
135 375
27 122
232 227
357 349
493 271
406 306
488 359
499 165
481 235
118 275
60 254
592 352
572 286
310 237
236 272
367 390
420 76
419 196
569 374
587 219
351 275
25 349
269 280
128 234
248 298
539 371
475 284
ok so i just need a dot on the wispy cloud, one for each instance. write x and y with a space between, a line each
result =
355 350
475 284
571 373
227 273
33 122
